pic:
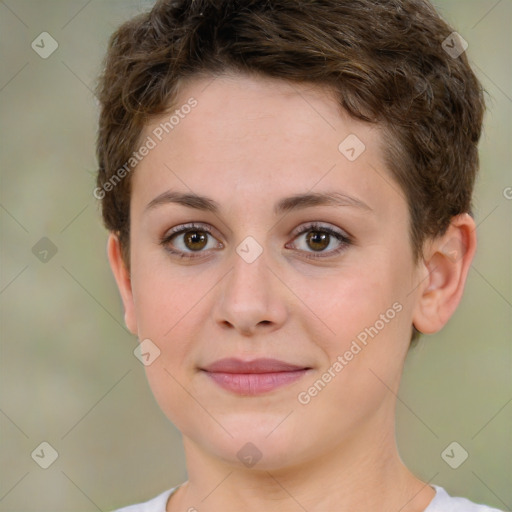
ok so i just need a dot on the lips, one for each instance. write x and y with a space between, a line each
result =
264 365
253 377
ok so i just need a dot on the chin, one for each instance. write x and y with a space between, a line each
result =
255 448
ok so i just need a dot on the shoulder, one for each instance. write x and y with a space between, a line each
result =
157 504
443 502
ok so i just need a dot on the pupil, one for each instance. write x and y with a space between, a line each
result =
195 237
317 237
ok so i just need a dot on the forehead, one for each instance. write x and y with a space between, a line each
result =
259 136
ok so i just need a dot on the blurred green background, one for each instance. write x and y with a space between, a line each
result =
68 373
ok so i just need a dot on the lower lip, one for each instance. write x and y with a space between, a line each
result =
254 383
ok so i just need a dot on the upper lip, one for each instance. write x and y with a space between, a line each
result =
262 365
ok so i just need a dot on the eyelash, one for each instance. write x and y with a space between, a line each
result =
344 239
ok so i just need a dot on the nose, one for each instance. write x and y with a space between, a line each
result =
250 299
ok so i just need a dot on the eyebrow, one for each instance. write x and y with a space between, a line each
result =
284 205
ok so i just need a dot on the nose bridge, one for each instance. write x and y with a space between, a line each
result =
250 271
248 296
248 285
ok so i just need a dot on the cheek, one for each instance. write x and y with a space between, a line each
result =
363 363
167 304
367 323
170 394
164 294
352 300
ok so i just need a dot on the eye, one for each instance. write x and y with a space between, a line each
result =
319 238
187 239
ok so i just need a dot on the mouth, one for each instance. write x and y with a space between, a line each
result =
253 377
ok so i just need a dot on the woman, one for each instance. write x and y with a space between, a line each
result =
288 193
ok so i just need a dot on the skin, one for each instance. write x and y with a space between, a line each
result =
247 144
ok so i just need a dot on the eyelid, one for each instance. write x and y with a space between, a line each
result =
189 226
309 226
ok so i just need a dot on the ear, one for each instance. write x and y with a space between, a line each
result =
446 263
122 276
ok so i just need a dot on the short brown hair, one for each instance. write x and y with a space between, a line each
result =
384 59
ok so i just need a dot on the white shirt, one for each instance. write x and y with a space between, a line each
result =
442 502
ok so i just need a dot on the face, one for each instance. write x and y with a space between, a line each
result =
253 271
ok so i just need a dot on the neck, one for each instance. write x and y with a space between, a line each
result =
362 473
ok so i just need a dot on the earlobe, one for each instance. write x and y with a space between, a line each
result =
445 268
123 280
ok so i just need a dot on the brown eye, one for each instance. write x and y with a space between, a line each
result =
195 240
318 240
190 241
322 240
